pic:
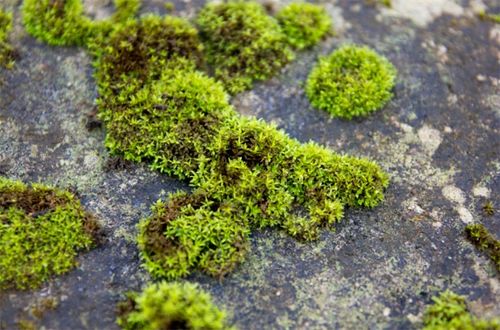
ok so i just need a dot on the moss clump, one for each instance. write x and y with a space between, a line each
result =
484 241
41 231
484 16
449 312
63 23
243 43
246 173
304 24
353 81
171 306
6 50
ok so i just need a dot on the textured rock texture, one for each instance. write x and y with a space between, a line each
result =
438 138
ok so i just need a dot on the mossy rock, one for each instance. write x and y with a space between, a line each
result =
304 24
6 50
351 82
171 306
41 231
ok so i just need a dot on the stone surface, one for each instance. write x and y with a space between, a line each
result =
438 138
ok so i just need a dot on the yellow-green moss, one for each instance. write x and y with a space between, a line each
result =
41 231
6 50
63 23
171 306
351 82
484 241
304 24
243 43
449 312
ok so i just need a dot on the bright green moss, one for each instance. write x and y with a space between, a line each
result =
449 312
353 81
304 24
6 50
484 16
245 173
484 241
41 231
63 23
243 43
171 306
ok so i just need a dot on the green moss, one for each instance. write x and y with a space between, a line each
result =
489 208
353 81
6 50
41 231
304 24
449 312
243 43
63 23
171 306
484 16
484 241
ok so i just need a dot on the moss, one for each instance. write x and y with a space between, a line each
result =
63 23
246 173
243 43
353 81
484 241
41 231
6 50
171 306
489 208
484 16
449 312
304 24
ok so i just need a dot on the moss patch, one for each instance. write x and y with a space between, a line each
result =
243 43
353 81
478 235
41 231
63 23
171 306
449 312
304 24
6 50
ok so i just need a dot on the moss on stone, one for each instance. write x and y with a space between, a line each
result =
41 231
449 312
63 23
304 24
351 82
171 306
478 235
243 44
6 50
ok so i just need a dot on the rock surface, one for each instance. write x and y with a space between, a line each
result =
439 139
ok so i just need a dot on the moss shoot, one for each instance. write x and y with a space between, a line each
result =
243 43
6 50
41 231
449 312
304 24
171 306
351 82
478 235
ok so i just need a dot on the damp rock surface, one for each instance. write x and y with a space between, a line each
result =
439 139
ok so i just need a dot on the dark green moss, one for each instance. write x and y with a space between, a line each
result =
304 24
171 306
243 43
478 235
6 50
449 312
351 82
488 208
41 230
